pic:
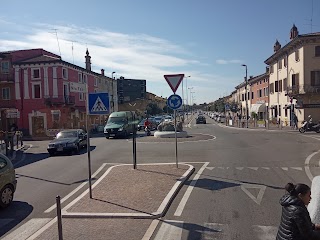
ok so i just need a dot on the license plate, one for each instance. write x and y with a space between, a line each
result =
60 149
112 135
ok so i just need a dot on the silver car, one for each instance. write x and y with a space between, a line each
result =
8 181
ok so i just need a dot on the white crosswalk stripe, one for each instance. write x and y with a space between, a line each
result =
256 168
27 229
173 230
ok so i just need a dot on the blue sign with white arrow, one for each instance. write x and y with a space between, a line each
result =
98 103
174 101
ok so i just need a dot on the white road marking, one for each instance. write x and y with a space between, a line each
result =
170 230
285 168
148 234
306 164
253 168
265 232
267 168
240 168
43 229
189 190
210 168
261 188
75 190
297 168
27 229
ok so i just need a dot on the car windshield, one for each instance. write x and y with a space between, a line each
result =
69 134
116 120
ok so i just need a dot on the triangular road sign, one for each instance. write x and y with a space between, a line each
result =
261 189
98 106
174 81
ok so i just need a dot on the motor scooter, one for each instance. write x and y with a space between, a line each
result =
147 130
309 127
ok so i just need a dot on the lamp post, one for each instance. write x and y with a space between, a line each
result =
246 79
184 107
112 98
191 100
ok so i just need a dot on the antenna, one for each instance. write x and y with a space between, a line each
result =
55 30
311 14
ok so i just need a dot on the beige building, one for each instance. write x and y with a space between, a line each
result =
294 78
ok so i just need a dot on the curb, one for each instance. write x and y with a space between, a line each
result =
159 213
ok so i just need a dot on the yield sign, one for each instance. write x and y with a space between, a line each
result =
174 81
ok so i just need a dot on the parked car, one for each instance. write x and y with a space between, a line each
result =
70 141
201 119
168 118
8 181
158 119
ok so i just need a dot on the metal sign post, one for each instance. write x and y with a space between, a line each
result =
88 147
175 135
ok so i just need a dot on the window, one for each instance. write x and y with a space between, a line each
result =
315 78
280 64
271 88
65 73
260 92
279 110
36 91
280 86
252 95
296 54
242 97
3 163
317 51
5 67
295 79
5 93
285 62
85 78
80 77
35 73
267 91
96 82
276 85
285 84
81 96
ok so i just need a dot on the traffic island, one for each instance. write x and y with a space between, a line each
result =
170 134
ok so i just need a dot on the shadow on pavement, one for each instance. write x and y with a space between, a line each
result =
15 214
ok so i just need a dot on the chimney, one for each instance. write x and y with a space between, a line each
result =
102 72
276 46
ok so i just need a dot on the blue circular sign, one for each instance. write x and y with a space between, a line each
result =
174 101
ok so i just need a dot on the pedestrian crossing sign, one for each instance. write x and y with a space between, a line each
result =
98 103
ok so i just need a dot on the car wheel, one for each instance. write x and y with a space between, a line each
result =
6 196
51 154
77 149
302 130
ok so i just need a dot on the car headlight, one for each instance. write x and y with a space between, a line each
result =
71 144
120 129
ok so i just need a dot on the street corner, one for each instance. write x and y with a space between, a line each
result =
124 192
191 137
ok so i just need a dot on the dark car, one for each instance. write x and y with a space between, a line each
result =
70 141
201 119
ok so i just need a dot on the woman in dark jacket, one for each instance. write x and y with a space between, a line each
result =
295 220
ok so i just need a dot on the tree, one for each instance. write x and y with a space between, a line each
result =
166 109
153 109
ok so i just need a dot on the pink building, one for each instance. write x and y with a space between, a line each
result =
35 87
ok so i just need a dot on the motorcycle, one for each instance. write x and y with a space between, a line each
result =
147 130
309 127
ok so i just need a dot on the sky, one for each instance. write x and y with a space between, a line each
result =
208 40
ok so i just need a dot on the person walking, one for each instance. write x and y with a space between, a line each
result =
295 121
295 220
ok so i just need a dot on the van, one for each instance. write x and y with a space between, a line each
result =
120 124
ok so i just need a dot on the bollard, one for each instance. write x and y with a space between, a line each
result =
59 217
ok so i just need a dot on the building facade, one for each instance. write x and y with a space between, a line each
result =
38 96
294 79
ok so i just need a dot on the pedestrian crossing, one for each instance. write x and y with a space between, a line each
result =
24 231
174 230
256 168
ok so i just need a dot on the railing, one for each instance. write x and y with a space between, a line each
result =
69 100
6 77
303 89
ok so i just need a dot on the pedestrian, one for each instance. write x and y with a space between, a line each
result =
295 220
295 121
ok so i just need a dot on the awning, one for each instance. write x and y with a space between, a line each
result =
258 108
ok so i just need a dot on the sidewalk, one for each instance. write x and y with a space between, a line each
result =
124 203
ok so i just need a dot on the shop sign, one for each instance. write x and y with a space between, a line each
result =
12 113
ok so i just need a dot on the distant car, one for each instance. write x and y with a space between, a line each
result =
201 119
70 141
158 119
168 119
8 181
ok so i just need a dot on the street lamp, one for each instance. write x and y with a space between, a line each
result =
183 95
246 79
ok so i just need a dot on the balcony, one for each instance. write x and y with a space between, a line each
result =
303 89
6 77
59 100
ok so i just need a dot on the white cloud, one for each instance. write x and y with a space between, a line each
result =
222 61
137 56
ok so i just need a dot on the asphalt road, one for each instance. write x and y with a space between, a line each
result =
233 194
